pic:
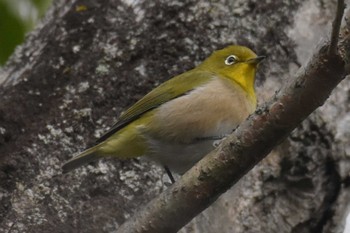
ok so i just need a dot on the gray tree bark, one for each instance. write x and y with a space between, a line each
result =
88 60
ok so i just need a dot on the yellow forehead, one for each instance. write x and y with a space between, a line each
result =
241 52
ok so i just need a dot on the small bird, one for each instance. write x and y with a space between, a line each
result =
178 122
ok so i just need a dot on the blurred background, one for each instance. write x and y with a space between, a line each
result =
16 18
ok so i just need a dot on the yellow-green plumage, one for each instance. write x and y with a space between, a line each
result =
177 122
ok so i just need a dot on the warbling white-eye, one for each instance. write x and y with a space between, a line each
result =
177 123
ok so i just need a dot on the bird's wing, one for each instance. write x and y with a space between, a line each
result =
171 89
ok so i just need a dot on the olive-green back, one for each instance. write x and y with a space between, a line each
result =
171 89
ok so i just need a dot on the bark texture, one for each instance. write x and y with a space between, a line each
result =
88 60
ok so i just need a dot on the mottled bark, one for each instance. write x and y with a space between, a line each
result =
88 60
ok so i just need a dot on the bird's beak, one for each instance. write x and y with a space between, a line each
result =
256 60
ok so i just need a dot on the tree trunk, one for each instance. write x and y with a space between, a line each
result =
89 60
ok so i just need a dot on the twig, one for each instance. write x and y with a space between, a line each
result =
344 42
333 47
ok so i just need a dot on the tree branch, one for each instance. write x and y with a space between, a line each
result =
333 47
249 144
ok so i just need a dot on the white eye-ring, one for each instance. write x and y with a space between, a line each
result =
232 59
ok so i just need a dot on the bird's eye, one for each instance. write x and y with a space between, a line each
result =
232 59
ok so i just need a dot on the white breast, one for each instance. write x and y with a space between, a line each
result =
184 129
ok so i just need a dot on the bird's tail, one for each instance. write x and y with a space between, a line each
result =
81 159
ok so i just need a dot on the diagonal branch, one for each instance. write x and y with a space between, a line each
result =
249 144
